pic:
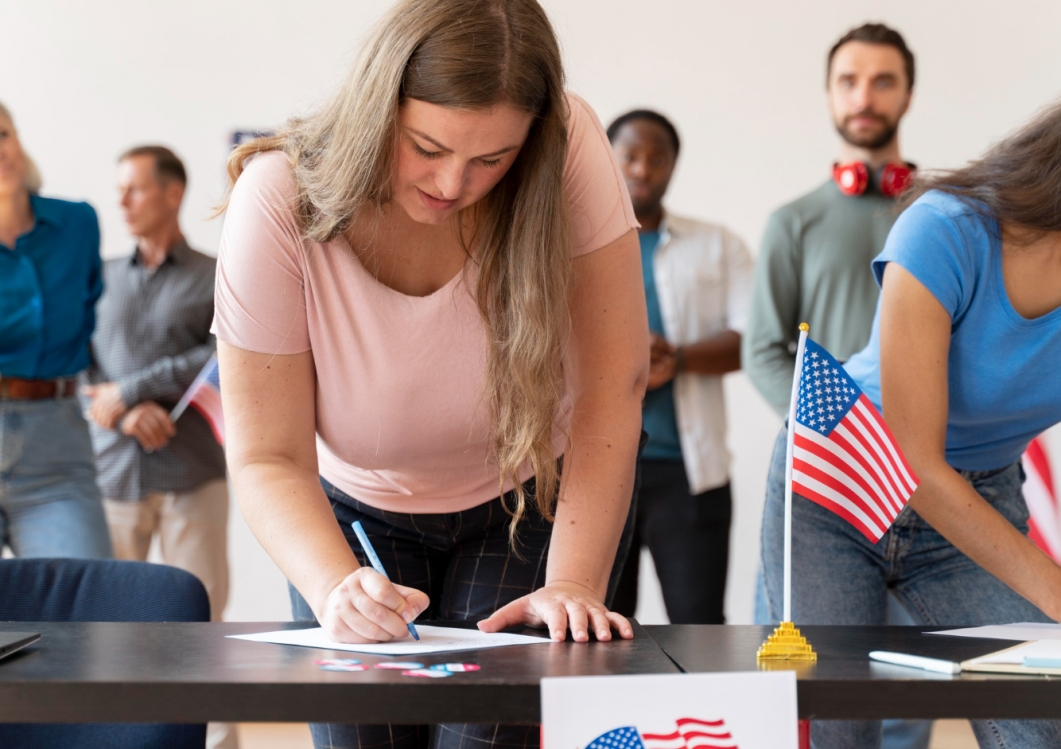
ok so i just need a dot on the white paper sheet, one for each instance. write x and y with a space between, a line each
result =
432 640
1015 656
1021 631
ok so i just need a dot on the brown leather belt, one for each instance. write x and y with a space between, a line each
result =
18 389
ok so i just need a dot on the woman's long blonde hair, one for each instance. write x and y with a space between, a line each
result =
31 182
469 54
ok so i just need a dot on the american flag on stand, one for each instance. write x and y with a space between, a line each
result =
1044 526
204 395
844 457
690 733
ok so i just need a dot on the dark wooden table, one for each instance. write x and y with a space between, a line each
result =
190 673
845 684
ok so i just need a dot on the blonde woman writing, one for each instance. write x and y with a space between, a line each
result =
428 293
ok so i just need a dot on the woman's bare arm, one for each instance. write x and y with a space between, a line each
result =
270 407
915 341
610 340
610 362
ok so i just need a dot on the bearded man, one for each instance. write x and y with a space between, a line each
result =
814 263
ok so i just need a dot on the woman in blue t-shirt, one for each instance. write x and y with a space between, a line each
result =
963 357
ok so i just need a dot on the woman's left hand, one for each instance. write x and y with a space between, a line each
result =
558 607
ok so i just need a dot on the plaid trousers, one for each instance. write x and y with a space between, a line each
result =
466 564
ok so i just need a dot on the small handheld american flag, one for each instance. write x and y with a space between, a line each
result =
841 454
204 395
845 458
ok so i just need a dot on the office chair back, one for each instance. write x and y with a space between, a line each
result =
89 590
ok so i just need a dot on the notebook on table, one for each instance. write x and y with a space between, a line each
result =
11 642
1036 658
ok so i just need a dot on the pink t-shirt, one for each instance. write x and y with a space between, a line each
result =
402 424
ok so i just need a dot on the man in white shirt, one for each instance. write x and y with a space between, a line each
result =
698 279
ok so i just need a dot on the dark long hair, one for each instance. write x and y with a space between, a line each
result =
1017 182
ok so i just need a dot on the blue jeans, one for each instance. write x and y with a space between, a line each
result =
839 577
895 734
50 505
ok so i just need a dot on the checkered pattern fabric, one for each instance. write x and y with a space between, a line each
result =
152 338
465 563
462 560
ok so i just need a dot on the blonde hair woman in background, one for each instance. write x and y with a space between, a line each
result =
49 283
428 293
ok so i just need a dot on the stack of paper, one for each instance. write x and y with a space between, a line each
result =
432 640
1042 644
1020 659
1022 631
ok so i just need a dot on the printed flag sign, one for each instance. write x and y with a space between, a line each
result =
1044 526
679 711
844 457
689 734
204 395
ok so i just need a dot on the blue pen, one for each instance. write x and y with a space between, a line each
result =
376 564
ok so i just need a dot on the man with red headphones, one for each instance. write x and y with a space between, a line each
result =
814 262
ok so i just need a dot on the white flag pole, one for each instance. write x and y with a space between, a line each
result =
789 448
182 404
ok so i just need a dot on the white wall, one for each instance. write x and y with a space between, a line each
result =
743 81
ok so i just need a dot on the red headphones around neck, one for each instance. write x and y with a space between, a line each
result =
891 179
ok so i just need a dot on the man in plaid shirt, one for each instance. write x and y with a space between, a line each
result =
152 338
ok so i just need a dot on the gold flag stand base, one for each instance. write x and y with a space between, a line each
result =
786 644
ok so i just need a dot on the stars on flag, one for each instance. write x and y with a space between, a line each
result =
621 738
826 392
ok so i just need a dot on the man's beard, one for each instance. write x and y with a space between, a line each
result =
873 142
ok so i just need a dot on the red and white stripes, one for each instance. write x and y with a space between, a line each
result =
857 471
1044 526
692 734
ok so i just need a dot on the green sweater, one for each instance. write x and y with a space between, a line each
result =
814 267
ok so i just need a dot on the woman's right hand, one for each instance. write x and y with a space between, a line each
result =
367 607
272 457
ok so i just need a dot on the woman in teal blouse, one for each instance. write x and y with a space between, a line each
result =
49 283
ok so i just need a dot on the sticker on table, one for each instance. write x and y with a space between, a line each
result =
455 668
427 673
341 664
400 665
